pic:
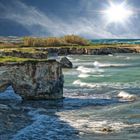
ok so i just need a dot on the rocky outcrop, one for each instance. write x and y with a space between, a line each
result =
66 63
20 54
111 50
88 51
33 80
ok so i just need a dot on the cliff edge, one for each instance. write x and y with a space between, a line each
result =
33 79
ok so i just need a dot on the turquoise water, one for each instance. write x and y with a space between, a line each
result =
102 102
116 41
97 83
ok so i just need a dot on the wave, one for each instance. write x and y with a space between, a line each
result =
110 54
126 96
72 59
83 75
97 64
44 126
84 84
87 125
112 85
88 70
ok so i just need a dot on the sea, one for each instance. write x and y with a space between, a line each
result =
101 102
114 41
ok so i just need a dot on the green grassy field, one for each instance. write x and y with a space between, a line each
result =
17 59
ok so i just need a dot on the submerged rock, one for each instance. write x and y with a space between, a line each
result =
66 63
33 80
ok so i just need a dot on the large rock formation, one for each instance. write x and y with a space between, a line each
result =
33 80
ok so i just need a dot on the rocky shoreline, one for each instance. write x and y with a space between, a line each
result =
88 51
15 53
43 79
44 52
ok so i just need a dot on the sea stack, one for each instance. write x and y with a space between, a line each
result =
33 79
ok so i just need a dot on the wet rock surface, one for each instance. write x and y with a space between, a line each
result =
66 63
33 80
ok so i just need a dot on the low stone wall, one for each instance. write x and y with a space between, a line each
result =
33 80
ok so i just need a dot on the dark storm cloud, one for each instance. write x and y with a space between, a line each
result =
56 18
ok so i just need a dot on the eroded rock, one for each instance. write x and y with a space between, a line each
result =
66 63
33 80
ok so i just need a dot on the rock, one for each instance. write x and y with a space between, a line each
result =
66 63
33 80
20 54
107 130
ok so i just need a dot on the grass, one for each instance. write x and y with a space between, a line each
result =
17 59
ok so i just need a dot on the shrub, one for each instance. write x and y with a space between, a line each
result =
68 40
77 40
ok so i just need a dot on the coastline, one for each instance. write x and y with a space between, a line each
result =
88 51
46 52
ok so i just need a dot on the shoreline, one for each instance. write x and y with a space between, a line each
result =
88 51
43 53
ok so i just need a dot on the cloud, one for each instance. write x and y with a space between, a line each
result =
38 23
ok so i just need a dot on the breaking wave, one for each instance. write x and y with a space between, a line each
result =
88 70
126 96
97 64
84 84
118 86
83 75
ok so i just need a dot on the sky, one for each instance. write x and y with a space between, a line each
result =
60 17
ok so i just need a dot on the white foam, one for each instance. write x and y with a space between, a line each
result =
110 55
70 58
87 125
84 84
82 75
128 58
44 127
126 96
88 70
98 65
114 85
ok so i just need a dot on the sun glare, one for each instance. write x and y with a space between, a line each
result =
118 13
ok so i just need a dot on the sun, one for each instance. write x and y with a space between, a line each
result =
118 13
